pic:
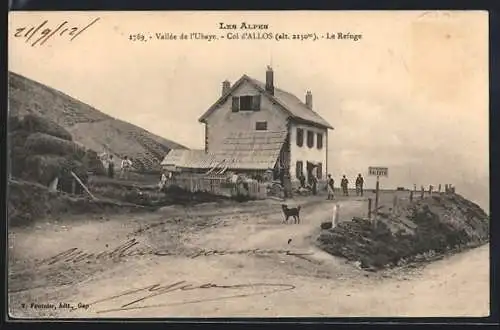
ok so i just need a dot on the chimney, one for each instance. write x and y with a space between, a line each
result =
309 100
270 80
226 86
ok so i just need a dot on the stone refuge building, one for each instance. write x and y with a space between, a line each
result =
256 127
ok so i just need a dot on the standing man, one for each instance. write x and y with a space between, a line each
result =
234 184
111 167
330 184
359 185
302 180
314 183
125 167
344 183
163 181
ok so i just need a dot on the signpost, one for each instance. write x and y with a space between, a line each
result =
378 172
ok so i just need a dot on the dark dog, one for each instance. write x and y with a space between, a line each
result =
293 212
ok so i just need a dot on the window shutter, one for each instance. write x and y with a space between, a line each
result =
236 104
298 169
319 141
256 103
300 137
310 139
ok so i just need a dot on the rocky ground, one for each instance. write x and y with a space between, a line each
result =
224 259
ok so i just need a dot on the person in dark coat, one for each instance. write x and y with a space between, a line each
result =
302 180
359 185
344 183
330 187
111 167
314 183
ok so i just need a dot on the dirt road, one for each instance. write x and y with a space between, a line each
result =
211 261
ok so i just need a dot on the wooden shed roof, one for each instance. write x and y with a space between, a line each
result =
187 158
257 150
251 150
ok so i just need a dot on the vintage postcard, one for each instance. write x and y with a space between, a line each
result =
248 164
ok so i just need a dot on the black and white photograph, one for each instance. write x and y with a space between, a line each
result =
248 164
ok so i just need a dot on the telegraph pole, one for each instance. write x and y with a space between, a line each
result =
377 171
377 186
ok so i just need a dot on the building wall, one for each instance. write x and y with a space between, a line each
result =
305 153
223 121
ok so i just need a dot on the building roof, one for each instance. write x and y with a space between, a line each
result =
251 150
188 158
257 150
289 103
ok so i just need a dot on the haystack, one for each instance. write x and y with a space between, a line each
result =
41 150
40 143
44 168
15 123
37 124
17 153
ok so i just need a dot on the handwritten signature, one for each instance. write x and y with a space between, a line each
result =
130 249
41 36
155 290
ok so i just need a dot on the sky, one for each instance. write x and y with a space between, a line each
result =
411 94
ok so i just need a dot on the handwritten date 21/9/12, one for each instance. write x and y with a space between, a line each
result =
40 34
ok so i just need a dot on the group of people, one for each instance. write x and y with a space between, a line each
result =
344 184
125 166
313 182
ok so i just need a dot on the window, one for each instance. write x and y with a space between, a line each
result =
310 139
319 141
299 169
300 137
247 103
261 126
319 171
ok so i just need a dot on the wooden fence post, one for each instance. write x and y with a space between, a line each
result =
81 183
335 215
411 196
377 188
369 208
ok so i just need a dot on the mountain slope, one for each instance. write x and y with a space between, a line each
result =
88 126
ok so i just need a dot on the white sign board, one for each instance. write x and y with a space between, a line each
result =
378 171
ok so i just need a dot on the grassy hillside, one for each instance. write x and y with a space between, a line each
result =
88 126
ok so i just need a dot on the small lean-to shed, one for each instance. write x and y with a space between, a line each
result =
186 160
242 152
